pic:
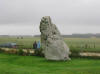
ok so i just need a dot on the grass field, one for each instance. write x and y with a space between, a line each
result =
75 44
14 64
27 42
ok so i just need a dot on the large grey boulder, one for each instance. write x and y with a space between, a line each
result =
53 45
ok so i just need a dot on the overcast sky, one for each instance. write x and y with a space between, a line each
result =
22 17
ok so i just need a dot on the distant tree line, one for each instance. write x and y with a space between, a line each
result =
89 35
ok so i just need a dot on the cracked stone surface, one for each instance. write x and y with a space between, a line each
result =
53 45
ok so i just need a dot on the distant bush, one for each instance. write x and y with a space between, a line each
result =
20 52
39 52
0 50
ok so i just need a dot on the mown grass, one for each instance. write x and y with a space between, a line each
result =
14 64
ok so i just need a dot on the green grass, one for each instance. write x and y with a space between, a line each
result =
83 44
75 44
14 64
27 42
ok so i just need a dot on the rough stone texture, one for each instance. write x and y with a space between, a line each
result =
53 45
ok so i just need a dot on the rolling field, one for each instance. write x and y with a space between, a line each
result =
75 44
14 64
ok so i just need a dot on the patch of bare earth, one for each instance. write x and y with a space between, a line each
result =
89 54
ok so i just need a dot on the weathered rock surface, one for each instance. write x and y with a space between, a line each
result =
53 45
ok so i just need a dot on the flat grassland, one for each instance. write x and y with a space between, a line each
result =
75 44
14 64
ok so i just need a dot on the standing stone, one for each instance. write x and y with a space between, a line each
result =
53 45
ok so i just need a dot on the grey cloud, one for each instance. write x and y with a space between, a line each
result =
62 12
